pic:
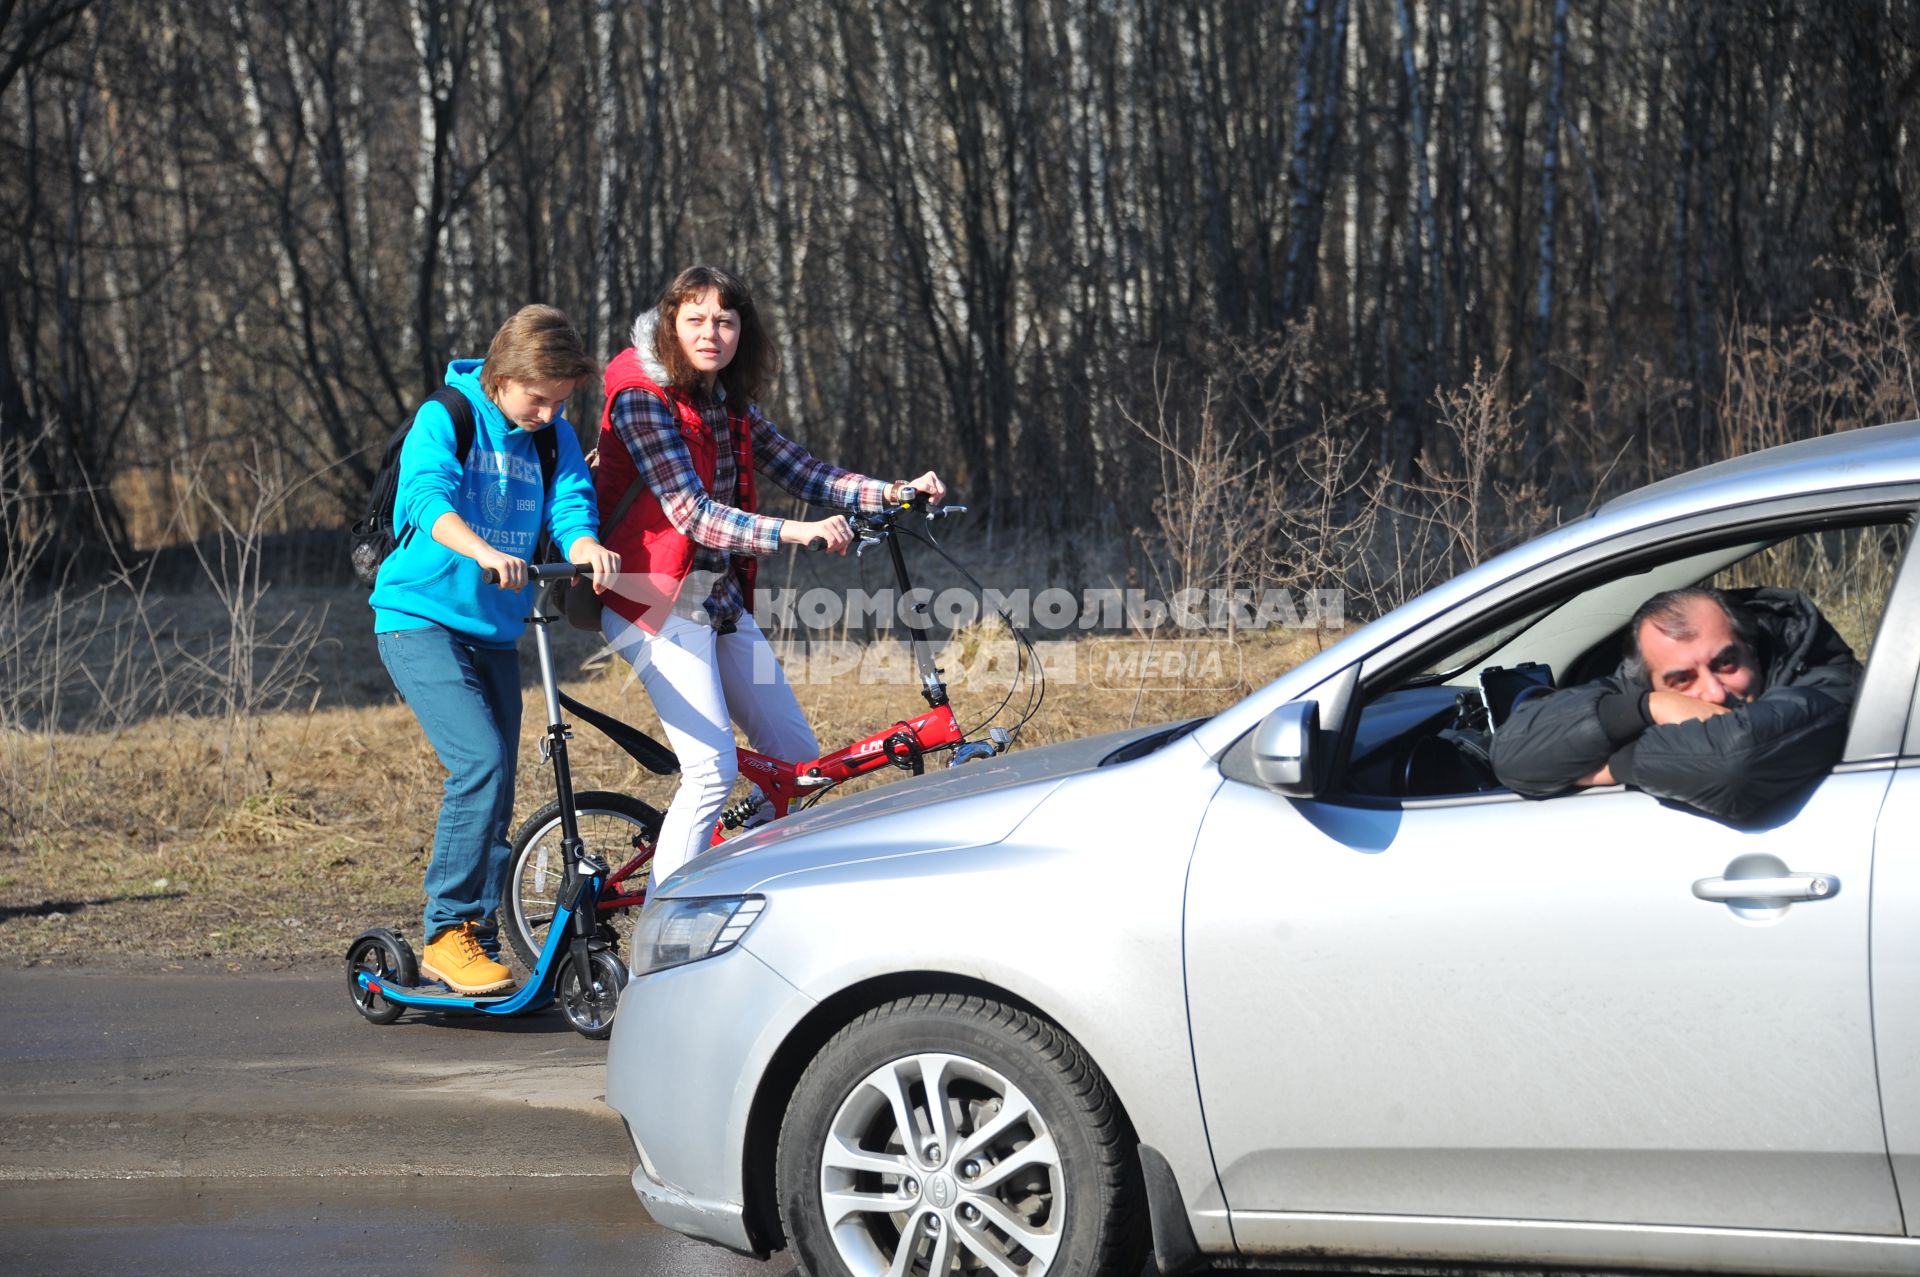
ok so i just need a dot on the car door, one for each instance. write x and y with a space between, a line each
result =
1499 1009
1896 966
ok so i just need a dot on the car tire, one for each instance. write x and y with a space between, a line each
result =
1030 1158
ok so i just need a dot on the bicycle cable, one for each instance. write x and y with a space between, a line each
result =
1037 680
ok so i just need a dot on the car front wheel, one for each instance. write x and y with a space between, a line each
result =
946 1133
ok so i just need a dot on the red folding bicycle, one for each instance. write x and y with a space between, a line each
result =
622 829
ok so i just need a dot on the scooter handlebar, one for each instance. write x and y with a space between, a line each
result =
542 571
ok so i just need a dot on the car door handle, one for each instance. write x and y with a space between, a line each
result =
1784 889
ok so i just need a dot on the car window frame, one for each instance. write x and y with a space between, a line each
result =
1886 723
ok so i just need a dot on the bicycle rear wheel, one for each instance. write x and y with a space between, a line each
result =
619 828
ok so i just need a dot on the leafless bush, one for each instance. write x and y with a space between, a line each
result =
258 665
95 655
1473 487
1341 531
1216 509
1839 369
1848 572
1266 500
1229 514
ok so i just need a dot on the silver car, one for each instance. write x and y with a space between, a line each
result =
1295 981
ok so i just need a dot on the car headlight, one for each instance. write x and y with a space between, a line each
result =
674 932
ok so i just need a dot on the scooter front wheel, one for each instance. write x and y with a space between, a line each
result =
589 1003
382 955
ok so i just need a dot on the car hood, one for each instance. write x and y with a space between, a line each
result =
983 802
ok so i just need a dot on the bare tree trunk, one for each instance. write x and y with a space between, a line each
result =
1549 193
1871 36
1427 272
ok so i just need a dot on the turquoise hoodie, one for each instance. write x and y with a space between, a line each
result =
499 494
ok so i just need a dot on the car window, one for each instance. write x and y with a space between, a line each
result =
1848 572
1427 735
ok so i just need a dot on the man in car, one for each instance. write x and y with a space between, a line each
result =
1725 702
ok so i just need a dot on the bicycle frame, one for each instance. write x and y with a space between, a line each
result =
904 744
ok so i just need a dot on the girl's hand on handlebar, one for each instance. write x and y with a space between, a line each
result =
510 572
836 532
604 562
928 485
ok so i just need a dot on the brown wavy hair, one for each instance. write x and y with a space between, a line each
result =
754 361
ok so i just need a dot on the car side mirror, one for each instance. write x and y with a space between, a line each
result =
1283 749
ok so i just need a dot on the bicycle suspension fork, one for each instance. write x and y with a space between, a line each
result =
931 685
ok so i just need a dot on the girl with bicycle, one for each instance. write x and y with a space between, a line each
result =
448 639
681 439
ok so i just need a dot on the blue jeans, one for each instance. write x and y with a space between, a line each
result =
467 699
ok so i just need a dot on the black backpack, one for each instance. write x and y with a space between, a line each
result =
373 538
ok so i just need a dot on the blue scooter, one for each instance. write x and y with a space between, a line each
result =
577 965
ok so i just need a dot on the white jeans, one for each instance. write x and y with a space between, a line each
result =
702 683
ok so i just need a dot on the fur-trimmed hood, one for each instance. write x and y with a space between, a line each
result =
645 324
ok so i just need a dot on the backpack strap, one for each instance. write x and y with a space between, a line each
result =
546 443
460 408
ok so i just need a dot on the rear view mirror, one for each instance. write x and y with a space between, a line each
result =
1283 748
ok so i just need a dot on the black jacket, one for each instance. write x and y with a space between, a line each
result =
1731 765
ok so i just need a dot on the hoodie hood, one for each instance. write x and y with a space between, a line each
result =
1795 639
464 375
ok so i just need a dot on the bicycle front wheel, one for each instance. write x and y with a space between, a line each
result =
621 829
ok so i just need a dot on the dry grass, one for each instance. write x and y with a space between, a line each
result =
117 847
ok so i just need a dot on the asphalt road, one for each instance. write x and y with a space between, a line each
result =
214 1123
200 1125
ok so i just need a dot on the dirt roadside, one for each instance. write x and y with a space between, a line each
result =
171 844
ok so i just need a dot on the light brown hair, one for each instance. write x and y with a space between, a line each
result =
754 361
538 343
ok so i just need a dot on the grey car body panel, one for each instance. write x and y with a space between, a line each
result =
1463 971
1583 1247
885 821
1846 459
1896 982
696 1118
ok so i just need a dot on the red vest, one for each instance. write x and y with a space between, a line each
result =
655 556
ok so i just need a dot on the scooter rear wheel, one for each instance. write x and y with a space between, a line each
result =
379 953
589 1004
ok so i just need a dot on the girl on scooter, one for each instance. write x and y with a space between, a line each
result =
447 638
682 433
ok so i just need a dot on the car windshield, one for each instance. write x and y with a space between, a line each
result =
1473 653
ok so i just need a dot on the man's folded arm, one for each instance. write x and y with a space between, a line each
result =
1734 764
1550 743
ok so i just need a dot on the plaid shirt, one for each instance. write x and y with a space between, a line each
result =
709 519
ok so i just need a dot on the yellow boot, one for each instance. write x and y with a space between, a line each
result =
455 959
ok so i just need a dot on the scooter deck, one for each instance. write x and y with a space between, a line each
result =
441 993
